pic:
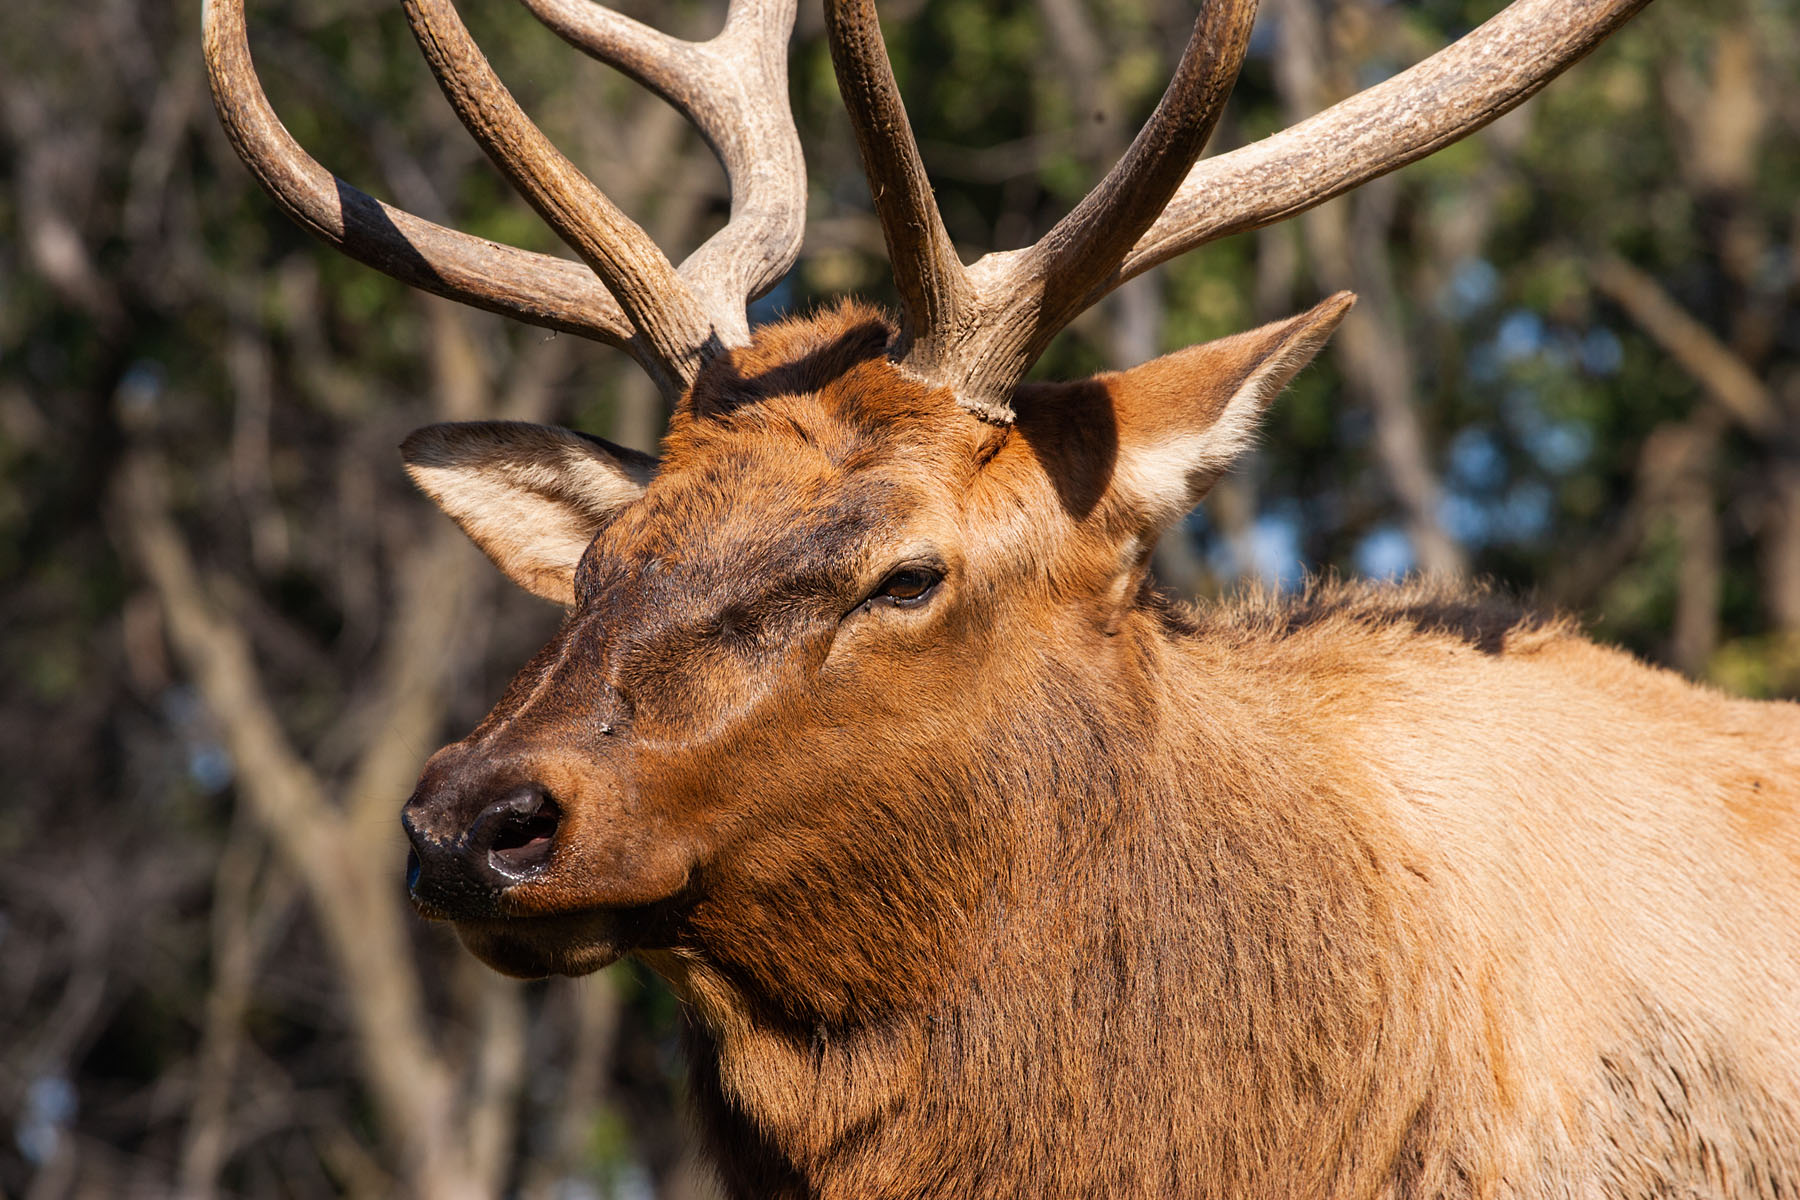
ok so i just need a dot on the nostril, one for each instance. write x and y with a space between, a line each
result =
519 830
523 832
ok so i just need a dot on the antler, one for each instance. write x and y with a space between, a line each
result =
669 320
734 89
1483 76
977 329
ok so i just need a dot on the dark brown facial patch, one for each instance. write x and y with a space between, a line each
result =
692 621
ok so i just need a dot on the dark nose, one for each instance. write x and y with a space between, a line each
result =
459 874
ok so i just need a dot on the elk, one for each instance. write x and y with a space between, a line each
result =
982 867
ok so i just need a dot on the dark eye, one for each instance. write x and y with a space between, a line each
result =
908 587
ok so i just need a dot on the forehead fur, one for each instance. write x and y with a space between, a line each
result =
822 388
802 353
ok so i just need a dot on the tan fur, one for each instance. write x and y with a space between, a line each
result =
1050 887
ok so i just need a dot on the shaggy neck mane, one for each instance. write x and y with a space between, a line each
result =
1126 889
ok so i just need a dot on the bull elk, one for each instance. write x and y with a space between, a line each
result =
983 868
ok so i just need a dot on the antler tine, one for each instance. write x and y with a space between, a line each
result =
1485 74
536 288
977 330
1029 295
1085 246
758 144
734 89
934 286
674 330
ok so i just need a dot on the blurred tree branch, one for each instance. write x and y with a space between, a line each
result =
1724 377
325 851
1346 242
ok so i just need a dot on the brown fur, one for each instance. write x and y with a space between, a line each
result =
1051 887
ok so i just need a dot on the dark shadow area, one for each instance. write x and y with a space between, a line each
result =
1074 431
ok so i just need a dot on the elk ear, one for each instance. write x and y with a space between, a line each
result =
1184 418
531 496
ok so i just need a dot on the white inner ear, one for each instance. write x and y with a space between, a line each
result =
530 496
521 527
1169 476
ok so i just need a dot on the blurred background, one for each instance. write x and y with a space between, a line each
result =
229 632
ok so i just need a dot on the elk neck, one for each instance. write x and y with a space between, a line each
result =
919 975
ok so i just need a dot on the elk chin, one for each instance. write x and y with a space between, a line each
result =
566 944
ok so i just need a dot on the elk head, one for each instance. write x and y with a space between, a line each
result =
801 634
870 564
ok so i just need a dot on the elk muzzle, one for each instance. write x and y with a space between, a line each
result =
474 839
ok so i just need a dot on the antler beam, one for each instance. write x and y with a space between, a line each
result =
1486 74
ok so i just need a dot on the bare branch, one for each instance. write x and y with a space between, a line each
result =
57 248
1350 252
1780 548
358 913
592 1007
1699 580
1669 454
492 1079
534 288
236 947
